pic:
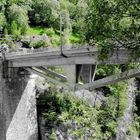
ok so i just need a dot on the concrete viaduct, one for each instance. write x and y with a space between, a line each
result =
18 116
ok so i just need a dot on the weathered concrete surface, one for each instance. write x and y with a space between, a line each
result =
2 116
81 55
70 72
18 118
53 58
23 125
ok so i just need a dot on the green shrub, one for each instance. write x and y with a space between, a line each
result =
55 41
62 108
50 32
40 44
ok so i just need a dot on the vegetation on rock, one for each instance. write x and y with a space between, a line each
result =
80 119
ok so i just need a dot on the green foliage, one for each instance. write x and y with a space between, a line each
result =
113 24
107 70
113 108
37 30
18 16
74 38
5 32
66 36
55 41
50 32
119 92
63 108
53 135
133 129
14 29
44 12
24 29
54 35
40 44
2 20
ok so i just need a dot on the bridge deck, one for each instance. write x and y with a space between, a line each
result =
88 55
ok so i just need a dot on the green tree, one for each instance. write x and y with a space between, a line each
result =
24 29
44 12
114 22
19 15
2 20
5 31
14 28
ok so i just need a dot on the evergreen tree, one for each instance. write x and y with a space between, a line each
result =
14 28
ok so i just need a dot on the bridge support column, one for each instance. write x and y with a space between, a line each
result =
18 118
70 71
2 115
80 73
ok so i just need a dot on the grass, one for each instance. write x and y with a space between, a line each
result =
38 30
35 30
75 38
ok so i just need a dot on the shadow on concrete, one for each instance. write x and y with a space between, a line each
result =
14 89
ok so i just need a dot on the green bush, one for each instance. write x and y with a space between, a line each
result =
40 44
50 32
62 108
55 42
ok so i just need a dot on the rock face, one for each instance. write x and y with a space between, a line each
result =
41 86
92 98
127 118
60 130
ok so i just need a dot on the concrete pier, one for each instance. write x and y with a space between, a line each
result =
18 118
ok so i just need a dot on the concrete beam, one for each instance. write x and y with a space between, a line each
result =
55 61
60 76
49 79
110 79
